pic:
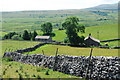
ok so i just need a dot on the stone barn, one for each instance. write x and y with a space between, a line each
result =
43 38
91 41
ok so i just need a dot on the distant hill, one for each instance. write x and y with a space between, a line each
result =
31 20
106 7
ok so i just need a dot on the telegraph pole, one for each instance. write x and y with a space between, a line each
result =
98 34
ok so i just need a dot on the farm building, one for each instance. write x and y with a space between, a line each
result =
91 41
43 38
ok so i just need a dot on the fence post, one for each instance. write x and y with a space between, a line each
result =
54 67
89 63
43 52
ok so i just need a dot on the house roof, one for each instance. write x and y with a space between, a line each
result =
90 37
42 37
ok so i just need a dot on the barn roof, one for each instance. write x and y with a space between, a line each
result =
90 37
42 37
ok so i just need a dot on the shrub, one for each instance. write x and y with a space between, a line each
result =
16 37
66 40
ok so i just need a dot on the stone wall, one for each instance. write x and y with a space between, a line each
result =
100 68
31 48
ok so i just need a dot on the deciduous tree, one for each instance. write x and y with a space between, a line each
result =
46 28
72 27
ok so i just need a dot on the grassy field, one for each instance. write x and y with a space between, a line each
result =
112 43
104 32
75 51
17 70
31 20
12 69
12 45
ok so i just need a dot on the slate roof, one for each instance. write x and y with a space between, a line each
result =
90 37
42 37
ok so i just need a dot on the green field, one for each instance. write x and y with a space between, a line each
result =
112 43
75 51
12 45
31 20
15 69
106 32
12 69
101 23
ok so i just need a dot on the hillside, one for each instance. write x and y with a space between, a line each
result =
106 32
31 20
106 7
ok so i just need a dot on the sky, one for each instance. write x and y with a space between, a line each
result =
20 5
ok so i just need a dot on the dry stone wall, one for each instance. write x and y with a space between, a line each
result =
100 68
31 48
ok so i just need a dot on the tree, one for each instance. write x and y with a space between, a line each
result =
9 35
26 35
34 34
47 28
30 35
72 27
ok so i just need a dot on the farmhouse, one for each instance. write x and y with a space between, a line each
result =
91 41
43 38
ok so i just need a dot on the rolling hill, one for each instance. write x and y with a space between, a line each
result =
106 7
31 20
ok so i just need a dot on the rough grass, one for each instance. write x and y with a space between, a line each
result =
15 69
112 43
12 45
75 51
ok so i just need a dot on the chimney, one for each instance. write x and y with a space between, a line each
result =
90 34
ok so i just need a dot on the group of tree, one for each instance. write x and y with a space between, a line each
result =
46 28
71 25
18 36
72 28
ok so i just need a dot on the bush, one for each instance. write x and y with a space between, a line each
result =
17 37
10 35
66 40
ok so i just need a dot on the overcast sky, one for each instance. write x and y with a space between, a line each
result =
20 5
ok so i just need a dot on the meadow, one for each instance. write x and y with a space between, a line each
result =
11 69
74 51
13 45
31 20
104 32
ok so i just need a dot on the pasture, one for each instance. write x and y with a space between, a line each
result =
11 69
75 51
12 45
104 32
31 20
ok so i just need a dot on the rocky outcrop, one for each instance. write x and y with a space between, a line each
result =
107 68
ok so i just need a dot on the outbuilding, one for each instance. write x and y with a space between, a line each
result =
43 38
91 41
